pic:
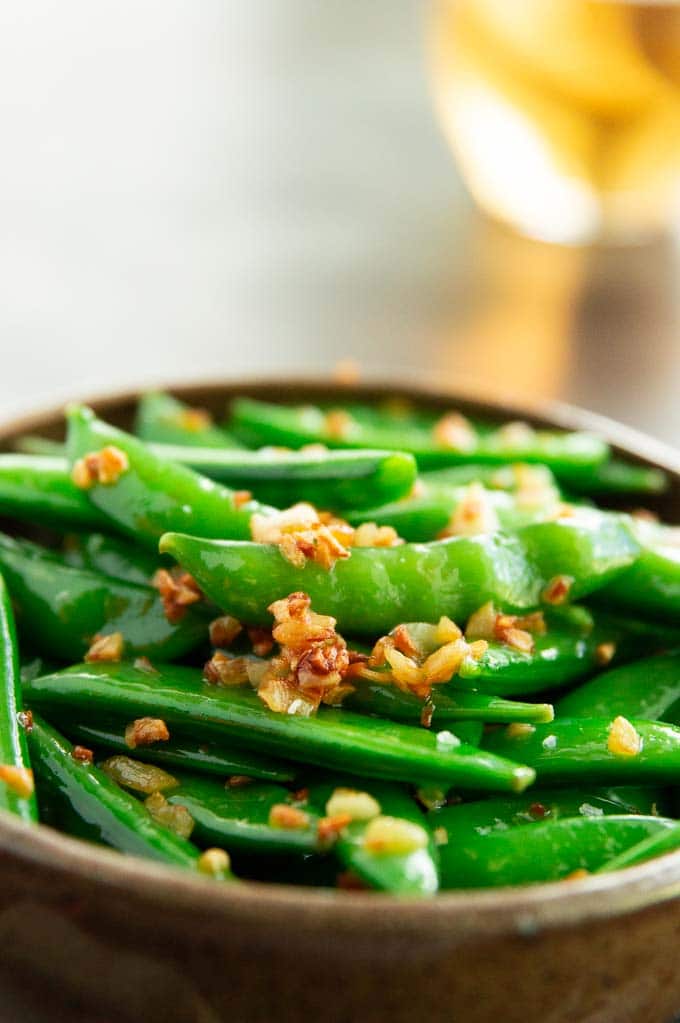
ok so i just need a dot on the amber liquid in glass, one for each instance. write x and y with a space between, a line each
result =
564 115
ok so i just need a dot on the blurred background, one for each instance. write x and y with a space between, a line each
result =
195 190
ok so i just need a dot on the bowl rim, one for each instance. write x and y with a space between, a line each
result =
519 910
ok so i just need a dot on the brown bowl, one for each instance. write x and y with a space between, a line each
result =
86 933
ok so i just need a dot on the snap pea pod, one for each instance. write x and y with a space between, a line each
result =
204 757
60 609
327 479
262 422
615 476
106 812
570 750
415 872
332 738
33 444
539 804
111 555
162 419
154 494
651 586
450 704
378 587
666 841
39 489
238 818
552 850
423 517
13 747
571 649
649 688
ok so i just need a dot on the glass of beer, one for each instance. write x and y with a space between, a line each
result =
564 115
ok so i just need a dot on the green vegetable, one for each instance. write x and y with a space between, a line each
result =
413 872
113 556
656 844
105 811
570 750
651 586
153 494
13 747
260 422
550 851
39 489
414 581
332 738
204 757
162 419
649 688
450 704
61 609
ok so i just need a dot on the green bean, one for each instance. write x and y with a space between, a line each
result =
449 703
39 489
162 419
666 841
333 738
651 586
112 556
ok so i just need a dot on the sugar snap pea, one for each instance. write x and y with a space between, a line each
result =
39 489
202 757
106 812
569 750
413 871
162 419
375 588
16 782
665 841
651 586
112 555
554 849
649 688
449 703
333 738
261 422
61 609
153 494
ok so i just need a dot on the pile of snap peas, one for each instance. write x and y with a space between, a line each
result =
543 757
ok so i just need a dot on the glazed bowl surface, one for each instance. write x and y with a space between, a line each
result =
89 934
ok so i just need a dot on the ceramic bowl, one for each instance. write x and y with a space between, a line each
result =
86 933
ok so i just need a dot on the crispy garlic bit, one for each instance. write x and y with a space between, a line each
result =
605 653
18 780
176 818
82 754
290 818
514 630
557 590
132 774
262 641
224 670
241 497
106 648
357 806
339 424
104 467
312 661
519 730
455 432
474 514
414 666
214 862
534 487
178 591
516 435
304 534
624 740
392 836
192 419
224 630
145 732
